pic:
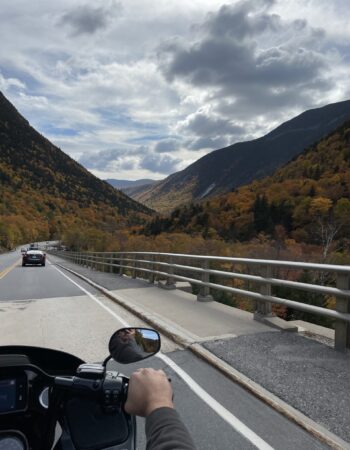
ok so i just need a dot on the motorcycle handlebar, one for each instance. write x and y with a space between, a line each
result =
110 391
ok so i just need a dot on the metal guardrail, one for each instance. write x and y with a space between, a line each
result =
172 266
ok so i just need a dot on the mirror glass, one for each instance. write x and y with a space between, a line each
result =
129 345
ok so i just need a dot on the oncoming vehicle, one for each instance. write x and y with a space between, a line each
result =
34 257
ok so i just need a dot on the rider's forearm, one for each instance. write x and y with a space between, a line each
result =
166 431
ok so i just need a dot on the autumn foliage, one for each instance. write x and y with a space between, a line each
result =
307 200
45 194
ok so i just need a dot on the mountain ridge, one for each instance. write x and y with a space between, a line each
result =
126 184
307 199
131 188
42 186
226 169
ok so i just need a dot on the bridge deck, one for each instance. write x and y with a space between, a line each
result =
306 374
199 320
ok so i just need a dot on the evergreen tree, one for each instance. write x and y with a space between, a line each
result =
262 215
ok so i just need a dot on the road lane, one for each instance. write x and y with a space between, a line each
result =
39 306
73 321
8 259
8 269
33 282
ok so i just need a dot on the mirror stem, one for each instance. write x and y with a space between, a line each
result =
106 360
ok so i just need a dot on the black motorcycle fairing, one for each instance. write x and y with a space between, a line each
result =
86 403
91 428
33 420
40 365
53 362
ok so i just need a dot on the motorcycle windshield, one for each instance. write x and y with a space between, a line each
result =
53 362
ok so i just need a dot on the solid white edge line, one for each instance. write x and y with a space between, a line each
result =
220 410
224 413
93 297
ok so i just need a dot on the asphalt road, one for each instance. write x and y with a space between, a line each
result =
44 306
279 361
7 260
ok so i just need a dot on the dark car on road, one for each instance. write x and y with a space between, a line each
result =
34 257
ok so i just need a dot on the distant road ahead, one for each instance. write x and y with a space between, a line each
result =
31 282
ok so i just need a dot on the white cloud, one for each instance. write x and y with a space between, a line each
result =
168 83
9 83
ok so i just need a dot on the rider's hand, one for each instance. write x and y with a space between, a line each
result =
149 389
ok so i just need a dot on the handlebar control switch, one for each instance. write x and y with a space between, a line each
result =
91 371
112 392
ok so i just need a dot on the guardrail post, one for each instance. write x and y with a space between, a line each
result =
263 309
121 264
170 281
133 272
142 265
151 266
204 291
111 261
342 328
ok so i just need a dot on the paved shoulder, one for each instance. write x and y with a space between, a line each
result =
306 374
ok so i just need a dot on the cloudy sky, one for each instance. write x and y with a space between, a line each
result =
142 88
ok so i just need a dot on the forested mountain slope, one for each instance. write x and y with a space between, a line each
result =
44 193
308 200
226 169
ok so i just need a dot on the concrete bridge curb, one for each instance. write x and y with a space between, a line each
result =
179 337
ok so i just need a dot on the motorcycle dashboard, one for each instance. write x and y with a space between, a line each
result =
20 408
13 440
13 392
25 372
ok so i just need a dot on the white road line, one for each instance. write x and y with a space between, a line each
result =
216 406
220 410
93 297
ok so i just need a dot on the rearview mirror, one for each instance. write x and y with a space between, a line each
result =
129 345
